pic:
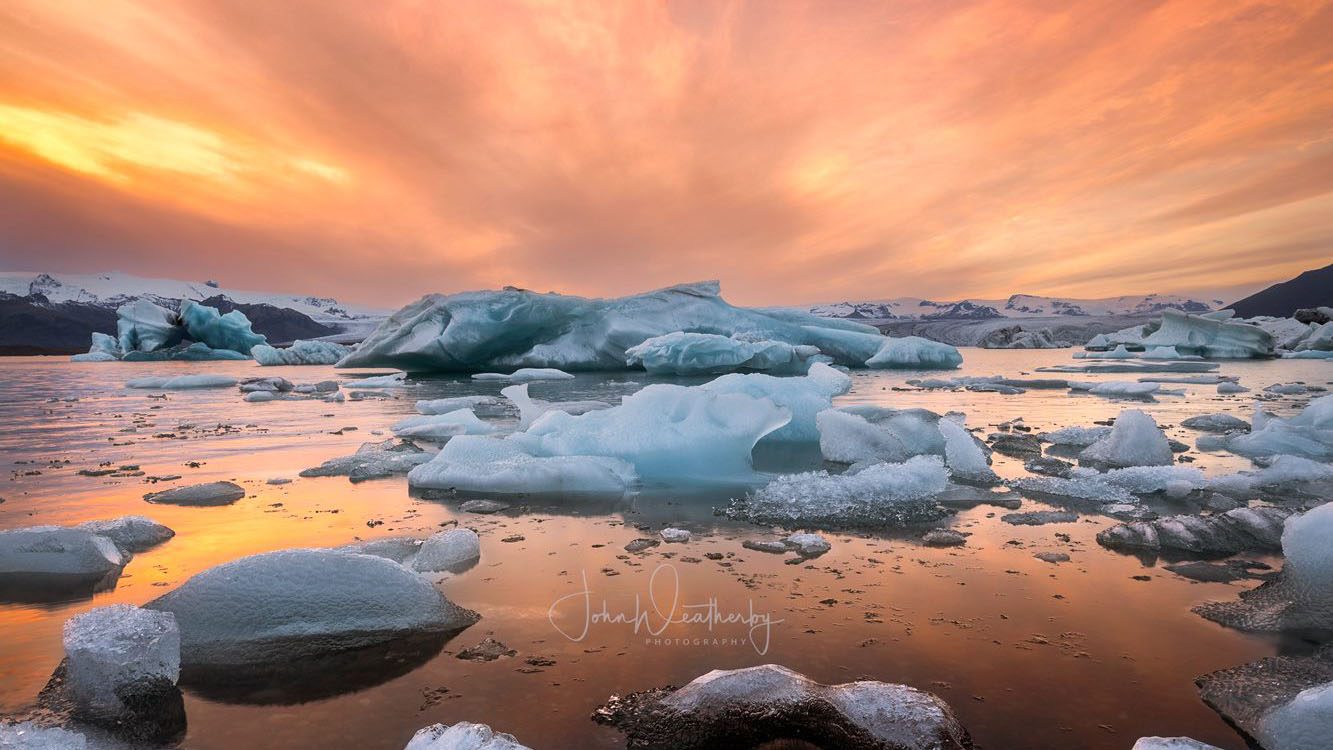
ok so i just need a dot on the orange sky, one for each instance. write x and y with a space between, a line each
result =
797 151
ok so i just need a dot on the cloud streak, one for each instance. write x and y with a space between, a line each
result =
798 151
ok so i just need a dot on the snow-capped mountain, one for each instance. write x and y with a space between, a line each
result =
114 289
1016 306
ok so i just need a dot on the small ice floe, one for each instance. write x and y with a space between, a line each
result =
446 405
1054 558
914 353
373 461
301 352
673 535
1210 379
944 538
963 455
1216 423
1075 437
1016 444
1134 440
1300 597
258 397
485 465
807 544
1118 389
681 353
1224 388
181 382
1048 466
29 736
483 506
885 494
297 604
1090 487
1039 517
1283 702
377 381
530 409
130 533
1289 389
525 375
462 736
1138 367
441 427
756 705
1308 434
447 551
278 481
122 664
271 384
1238 530
41 556
207 494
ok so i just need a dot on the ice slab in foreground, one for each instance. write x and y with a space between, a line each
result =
462 736
1283 702
61 555
504 330
754 706
291 604
885 494
301 352
680 353
119 651
377 381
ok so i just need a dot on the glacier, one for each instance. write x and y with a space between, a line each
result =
514 328
682 353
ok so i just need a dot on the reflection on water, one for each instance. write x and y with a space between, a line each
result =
998 634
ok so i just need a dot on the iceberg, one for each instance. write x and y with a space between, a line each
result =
104 348
1134 440
302 603
804 397
144 326
196 352
1212 335
530 409
963 456
914 353
1282 702
681 353
513 328
525 375
182 382
860 434
492 466
441 427
1308 434
207 326
884 494
301 352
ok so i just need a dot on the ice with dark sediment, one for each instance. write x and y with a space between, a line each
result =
373 461
1242 529
1282 702
206 494
1216 423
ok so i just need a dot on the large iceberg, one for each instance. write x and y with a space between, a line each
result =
144 326
150 332
208 326
514 328
301 352
1212 335
708 353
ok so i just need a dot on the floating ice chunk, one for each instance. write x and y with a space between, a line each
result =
1078 437
1303 723
1135 440
131 533
1308 354
488 465
1288 389
29 736
1229 387
62 555
378 381
530 409
1119 352
182 382
301 352
94 356
441 427
773 701
272 384
1215 423
118 652
373 461
1171 743
1238 530
857 434
1133 367
209 493
1175 481
962 454
525 375
681 353
104 348
447 550
808 545
196 352
1166 352
1305 544
1118 389
803 397
914 353
1209 337
446 405
672 535
477 331
1081 487
206 325
1309 434
881 494
292 604
399 549
143 326
255 397
462 736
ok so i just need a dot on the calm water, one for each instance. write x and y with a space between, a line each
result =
1030 655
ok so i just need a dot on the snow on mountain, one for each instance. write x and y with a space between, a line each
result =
1016 306
113 289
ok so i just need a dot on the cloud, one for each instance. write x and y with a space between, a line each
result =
798 151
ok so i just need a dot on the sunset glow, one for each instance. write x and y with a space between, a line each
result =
800 152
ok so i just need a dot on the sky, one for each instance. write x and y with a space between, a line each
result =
798 152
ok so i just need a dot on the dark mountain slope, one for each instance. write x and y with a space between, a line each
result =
1310 289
